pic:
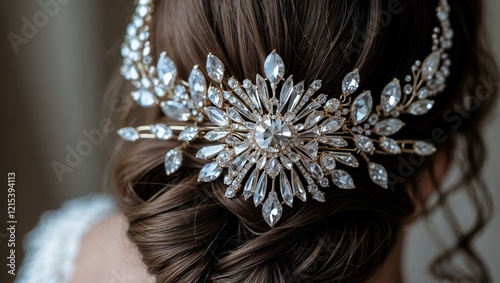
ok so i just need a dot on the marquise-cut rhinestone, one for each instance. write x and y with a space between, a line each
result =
166 70
217 116
209 172
350 83
128 134
215 68
333 141
342 179
346 158
388 127
421 107
391 96
272 209
215 96
332 125
361 107
173 161
161 131
188 134
175 110
424 148
389 145
430 64
364 143
197 87
286 189
274 68
209 151
378 174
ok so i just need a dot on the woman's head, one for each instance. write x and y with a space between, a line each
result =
189 232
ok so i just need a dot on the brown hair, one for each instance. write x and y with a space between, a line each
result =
189 232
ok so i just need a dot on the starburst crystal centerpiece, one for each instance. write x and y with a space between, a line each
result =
274 140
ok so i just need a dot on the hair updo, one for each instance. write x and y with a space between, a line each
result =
189 232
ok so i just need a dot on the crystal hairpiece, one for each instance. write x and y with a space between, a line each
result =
274 136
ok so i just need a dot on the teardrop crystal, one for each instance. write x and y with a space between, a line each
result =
209 172
342 179
217 116
274 68
197 87
215 68
215 96
313 119
234 115
388 127
166 70
175 110
208 152
260 190
286 189
272 209
298 187
346 158
378 174
391 96
173 161
251 183
361 107
350 83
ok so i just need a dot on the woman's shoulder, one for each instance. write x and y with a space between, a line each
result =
76 239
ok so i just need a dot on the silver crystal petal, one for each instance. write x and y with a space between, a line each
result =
260 190
331 125
197 87
378 174
296 96
128 133
286 92
209 151
424 148
161 131
350 83
238 164
175 110
215 135
388 127
430 64
391 96
333 141
215 68
274 68
173 161
342 179
361 107
217 116
251 183
272 209
313 119
263 91
346 158
166 70
286 189
234 115
215 96
298 187
287 163
189 133
209 172
389 145
421 107
144 98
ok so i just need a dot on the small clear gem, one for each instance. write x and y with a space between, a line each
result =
378 174
173 161
388 127
390 145
421 107
273 168
189 134
424 148
274 68
272 209
215 68
342 179
175 110
209 172
391 95
364 143
128 134
162 131
361 107
327 161
350 83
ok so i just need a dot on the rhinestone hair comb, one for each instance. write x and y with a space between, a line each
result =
273 136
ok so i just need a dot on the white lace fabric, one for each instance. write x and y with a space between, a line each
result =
52 247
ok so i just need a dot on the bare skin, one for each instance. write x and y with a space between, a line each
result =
108 256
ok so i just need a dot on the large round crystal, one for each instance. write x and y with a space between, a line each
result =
272 135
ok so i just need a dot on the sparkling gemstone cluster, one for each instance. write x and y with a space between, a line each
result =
274 139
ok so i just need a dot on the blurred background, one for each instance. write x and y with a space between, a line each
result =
52 86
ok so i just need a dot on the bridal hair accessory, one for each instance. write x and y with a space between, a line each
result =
273 136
